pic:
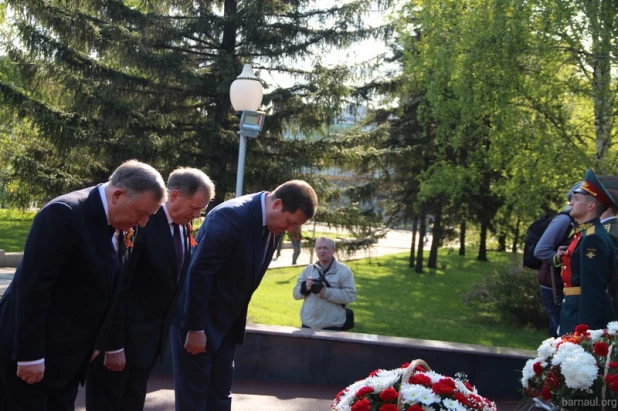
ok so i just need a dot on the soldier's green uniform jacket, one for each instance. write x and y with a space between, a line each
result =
593 265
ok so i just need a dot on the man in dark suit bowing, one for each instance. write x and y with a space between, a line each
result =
155 275
57 312
240 237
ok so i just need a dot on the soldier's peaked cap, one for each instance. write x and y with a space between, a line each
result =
592 186
611 184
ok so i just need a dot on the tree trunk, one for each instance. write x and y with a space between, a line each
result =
413 246
516 236
483 243
462 238
601 18
436 238
418 267
502 243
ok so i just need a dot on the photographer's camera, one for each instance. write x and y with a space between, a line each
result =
317 286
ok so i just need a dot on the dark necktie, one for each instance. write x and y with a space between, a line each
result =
117 240
178 248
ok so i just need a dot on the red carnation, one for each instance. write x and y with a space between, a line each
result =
363 391
444 386
611 378
405 365
362 405
538 368
420 368
388 407
421 379
414 407
388 394
581 329
601 348
614 386
461 398
546 394
468 386
553 381
374 373
613 364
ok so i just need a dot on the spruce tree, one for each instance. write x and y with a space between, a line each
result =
102 81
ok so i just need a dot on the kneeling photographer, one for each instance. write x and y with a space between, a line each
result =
327 287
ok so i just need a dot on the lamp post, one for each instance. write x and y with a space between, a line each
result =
246 94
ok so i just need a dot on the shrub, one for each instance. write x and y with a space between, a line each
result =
512 294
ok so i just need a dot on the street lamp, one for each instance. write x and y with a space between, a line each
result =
246 96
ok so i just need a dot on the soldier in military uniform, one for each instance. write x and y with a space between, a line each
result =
589 263
610 223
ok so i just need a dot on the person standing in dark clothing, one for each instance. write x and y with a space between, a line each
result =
156 272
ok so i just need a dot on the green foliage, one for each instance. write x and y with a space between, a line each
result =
393 300
14 228
101 81
513 293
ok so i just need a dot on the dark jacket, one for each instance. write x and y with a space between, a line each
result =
60 304
227 267
151 290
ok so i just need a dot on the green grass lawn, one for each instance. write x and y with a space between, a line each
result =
14 227
393 300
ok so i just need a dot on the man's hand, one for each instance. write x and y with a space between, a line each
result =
309 283
31 373
115 361
195 342
322 291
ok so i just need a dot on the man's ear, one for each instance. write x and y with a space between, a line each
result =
277 204
117 194
173 195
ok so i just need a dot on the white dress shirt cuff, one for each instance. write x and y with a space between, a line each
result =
41 361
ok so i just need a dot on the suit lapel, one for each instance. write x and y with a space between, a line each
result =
102 239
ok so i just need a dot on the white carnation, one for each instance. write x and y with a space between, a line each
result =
595 335
548 348
528 371
612 327
453 405
566 350
382 381
413 393
579 371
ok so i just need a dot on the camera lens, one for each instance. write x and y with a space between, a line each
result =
316 287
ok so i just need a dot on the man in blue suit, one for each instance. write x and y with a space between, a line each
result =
56 314
239 239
